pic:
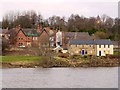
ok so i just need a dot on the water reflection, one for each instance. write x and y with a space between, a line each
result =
61 78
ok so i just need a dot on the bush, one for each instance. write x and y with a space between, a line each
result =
75 57
113 56
63 55
46 62
5 44
85 56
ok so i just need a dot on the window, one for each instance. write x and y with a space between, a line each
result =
82 46
28 38
21 44
34 38
18 38
91 45
51 38
28 44
99 46
20 32
108 46
104 46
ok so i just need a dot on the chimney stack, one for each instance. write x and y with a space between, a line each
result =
18 27
39 28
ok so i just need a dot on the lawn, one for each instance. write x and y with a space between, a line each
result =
116 53
19 58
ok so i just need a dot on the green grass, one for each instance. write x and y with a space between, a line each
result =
19 58
116 53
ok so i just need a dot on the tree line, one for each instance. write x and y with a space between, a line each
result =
101 26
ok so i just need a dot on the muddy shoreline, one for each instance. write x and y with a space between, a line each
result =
48 64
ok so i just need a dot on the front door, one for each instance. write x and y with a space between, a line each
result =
99 53
83 52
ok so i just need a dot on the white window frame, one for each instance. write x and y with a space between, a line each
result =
35 38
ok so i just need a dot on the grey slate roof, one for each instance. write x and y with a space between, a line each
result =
99 41
4 30
103 41
30 32
75 41
33 32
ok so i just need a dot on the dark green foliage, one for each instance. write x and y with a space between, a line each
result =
85 56
5 44
75 23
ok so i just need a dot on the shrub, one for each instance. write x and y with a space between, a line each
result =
5 44
63 55
85 56
75 57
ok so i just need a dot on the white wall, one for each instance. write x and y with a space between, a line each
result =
105 50
59 37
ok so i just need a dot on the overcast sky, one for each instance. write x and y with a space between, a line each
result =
47 8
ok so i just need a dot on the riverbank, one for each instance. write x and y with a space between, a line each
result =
19 61
49 62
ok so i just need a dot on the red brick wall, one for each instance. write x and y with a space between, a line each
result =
23 39
43 37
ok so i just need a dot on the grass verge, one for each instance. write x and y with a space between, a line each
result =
19 58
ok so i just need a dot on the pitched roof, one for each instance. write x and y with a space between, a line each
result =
115 42
82 34
31 32
12 32
78 35
97 41
75 41
103 41
69 34
5 31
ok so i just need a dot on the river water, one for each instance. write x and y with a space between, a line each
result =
60 77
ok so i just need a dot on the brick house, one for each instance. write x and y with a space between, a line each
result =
35 37
25 37
100 47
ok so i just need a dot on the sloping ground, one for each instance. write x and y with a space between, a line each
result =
20 61
48 62
25 52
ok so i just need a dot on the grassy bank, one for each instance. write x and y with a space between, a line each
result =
19 58
116 53
11 61
56 61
